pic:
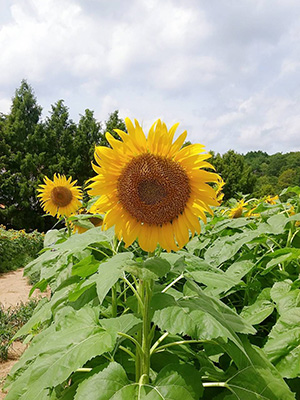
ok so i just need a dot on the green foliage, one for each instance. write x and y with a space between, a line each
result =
113 122
235 172
274 172
11 321
218 319
17 248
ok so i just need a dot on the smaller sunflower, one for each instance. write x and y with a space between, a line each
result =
271 200
89 220
60 197
236 212
219 187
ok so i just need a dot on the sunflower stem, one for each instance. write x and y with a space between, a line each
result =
138 359
68 225
114 301
146 339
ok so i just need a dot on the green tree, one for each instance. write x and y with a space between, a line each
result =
265 185
113 122
258 160
60 131
237 175
88 134
289 177
19 162
277 161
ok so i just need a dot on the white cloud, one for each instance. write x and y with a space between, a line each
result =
228 71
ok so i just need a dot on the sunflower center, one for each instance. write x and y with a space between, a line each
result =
61 196
153 189
151 192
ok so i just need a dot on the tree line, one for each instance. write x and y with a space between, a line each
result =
257 173
31 148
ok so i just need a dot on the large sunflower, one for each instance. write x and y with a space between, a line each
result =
60 197
151 188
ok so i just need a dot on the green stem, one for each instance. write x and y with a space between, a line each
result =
172 283
69 230
214 384
114 300
179 343
146 340
127 351
139 351
136 293
159 340
98 250
138 346
83 370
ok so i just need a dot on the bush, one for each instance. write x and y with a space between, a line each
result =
17 248
11 321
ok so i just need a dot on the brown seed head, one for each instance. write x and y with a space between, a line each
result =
153 189
61 196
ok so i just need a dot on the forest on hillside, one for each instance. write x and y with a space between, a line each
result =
31 148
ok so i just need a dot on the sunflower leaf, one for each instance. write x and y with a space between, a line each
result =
200 317
65 346
109 272
152 268
174 382
283 345
256 378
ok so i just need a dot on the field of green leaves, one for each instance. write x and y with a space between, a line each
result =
224 313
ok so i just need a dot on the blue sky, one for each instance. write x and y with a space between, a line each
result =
227 70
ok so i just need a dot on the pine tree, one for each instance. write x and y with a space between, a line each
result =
88 135
19 163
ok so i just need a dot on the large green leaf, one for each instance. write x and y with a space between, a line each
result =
200 318
231 223
285 296
109 272
86 267
124 323
152 268
218 281
42 314
258 311
283 345
279 256
60 350
174 382
255 377
57 257
226 247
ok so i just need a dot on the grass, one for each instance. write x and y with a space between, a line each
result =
11 320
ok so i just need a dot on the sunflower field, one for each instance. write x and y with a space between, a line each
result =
205 304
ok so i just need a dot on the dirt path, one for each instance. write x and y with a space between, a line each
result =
14 289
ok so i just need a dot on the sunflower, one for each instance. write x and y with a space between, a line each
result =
271 200
60 197
151 188
236 212
88 218
218 189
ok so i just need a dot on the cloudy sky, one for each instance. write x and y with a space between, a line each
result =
227 70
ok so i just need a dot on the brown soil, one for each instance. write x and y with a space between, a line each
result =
14 289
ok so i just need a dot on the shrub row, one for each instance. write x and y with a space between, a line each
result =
17 248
